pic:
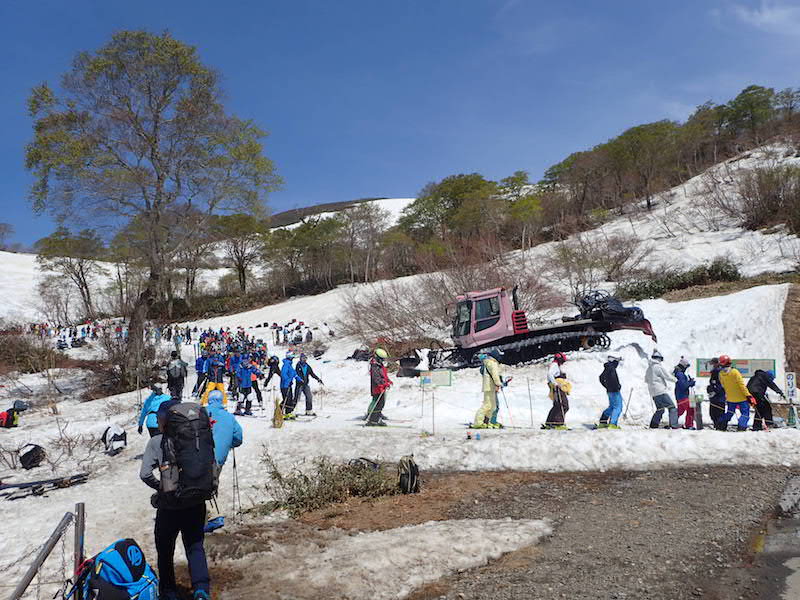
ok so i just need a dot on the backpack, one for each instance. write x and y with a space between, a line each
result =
120 572
176 370
6 419
114 439
408 475
32 457
188 450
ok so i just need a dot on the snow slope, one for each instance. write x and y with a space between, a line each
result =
393 206
746 324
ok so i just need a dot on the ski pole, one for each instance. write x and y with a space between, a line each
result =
508 408
530 399
627 406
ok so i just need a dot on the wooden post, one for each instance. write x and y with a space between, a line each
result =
42 556
78 546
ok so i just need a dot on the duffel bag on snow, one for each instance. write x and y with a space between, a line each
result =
31 456
120 572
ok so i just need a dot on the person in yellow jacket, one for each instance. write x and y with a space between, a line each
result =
486 417
736 394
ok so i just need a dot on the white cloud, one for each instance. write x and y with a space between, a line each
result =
771 17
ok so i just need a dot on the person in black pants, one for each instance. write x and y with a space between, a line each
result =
716 395
303 386
173 518
758 384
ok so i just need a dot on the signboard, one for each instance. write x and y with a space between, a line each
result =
791 386
437 378
746 366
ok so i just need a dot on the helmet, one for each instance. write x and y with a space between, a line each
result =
724 361
290 355
560 357
657 355
381 353
215 396
275 356
303 357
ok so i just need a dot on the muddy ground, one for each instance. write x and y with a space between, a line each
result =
668 534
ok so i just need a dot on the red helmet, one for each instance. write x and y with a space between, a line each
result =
724 361
560 358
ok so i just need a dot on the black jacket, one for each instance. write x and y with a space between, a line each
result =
306 373
609 377
760 381
273 364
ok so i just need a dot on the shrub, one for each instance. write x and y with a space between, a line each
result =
326 483
653 284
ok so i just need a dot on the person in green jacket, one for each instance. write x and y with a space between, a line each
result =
492 382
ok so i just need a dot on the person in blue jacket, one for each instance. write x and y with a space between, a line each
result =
247 371
683 384
150 409
288 377
200 368
225 428
215 376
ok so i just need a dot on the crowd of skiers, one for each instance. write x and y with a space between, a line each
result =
727 394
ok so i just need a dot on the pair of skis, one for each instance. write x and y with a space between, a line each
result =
16 491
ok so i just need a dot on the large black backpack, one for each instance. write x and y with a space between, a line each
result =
188 448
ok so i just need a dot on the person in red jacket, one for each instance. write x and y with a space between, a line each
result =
379 385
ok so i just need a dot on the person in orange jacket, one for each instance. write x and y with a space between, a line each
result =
736 394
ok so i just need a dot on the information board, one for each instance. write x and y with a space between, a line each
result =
746 366
436 378
791 386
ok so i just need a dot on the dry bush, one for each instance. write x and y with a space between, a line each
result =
586 260
415 310
325 483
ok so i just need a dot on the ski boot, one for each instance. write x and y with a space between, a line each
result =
380 423
603 426
248 413
495 426
289 416
310 413
480 426
610 426
561 428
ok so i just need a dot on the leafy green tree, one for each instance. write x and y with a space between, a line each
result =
139 132
241 238
751 110
74 256
787 102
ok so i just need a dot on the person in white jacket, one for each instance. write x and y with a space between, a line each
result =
659 383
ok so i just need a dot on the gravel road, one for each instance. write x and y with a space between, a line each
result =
660 535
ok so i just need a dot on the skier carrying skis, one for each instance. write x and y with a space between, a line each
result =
736 393
716 395
200 369
758 384
379 385
492 382
610 381
288 377
658 383
303 386
683 383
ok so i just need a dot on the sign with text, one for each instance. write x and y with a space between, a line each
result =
746 366
437 378
791 386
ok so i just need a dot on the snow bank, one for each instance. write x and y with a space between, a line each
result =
392 563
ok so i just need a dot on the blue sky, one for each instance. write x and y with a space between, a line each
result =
379 97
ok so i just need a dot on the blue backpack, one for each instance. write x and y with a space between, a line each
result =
120 572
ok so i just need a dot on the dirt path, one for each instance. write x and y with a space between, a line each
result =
658 535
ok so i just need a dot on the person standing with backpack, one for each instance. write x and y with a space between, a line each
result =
758 384
147 417
176 375
491 383
183 455
658 383
226 430
609 379
303 386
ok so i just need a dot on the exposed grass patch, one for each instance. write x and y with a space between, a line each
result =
657 283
